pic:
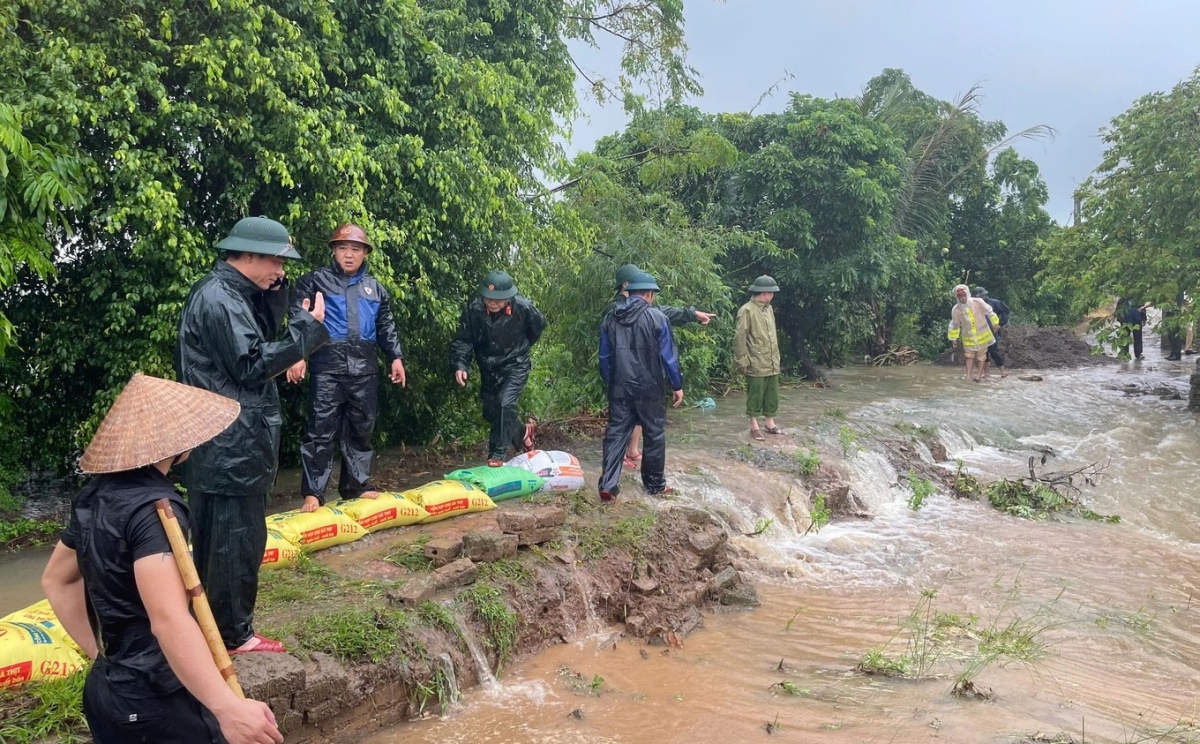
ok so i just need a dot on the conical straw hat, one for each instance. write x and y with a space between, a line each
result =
153 419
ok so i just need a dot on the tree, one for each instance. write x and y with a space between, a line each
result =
1141 211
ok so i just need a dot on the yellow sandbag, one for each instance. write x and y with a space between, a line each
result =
384 512
280 552
446 498
43 616
316 530
28 653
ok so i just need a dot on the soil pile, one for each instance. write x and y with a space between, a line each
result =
1029 347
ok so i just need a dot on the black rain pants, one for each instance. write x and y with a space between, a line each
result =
499 393
342 411
229 535
623 415
116 719
993 352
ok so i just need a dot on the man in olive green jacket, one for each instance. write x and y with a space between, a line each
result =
756 353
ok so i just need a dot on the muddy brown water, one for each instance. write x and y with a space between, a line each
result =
1119 604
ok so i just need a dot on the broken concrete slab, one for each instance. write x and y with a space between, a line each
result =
459 573
486 547
443 550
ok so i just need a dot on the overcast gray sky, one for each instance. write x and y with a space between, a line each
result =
1070 64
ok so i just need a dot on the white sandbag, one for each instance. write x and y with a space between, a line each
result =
560 469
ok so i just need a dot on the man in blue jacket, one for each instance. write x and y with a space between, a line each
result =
637 352
344 393
1003 313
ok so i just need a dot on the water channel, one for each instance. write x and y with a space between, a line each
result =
1118 604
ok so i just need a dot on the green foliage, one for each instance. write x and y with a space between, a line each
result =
849 441
355 635
506 569
807 460
24 532
628 533
820 514
922 488
500 621
39 711
436 615
966 486
412 555
1038 501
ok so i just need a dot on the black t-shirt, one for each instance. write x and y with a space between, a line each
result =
114 523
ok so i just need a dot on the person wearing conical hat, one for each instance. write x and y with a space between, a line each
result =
114 585
344 391
498 328
676 316
756 354
232 342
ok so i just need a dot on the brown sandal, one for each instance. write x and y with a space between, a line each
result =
757 435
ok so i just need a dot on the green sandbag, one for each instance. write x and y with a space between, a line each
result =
500 483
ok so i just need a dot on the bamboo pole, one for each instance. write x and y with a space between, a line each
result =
191 583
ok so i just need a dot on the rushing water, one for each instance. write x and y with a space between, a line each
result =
1117 606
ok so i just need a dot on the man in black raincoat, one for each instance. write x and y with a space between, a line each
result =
637 352
498 328
676 316
227 345
344 394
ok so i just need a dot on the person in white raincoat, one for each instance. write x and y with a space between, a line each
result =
971 321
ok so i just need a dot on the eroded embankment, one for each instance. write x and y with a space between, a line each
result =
377 627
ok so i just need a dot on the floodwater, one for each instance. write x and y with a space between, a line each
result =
1113 608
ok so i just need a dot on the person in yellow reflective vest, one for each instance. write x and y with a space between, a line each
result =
971 321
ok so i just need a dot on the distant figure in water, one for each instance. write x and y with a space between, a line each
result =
1133 316
1003 313
971 321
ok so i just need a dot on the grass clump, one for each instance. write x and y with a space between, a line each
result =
307 582
488 604
412 556
355 635
849 441
40 710
435 615
807 461
627 533
506 569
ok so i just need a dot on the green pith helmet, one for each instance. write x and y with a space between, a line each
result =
981 292
764 284
642 282
625 274
497 285
259 235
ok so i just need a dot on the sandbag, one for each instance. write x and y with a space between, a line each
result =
42 615
561 470
384 512
280 552
30 653
448 498
316 530
500 483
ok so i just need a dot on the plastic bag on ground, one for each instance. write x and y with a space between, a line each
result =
561 470
384 512
316 530
449 498
500 483
280 552
29 652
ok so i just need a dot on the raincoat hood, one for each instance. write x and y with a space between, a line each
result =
628 312
963 288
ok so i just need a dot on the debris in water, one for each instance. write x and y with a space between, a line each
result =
773 726
577 714
645 655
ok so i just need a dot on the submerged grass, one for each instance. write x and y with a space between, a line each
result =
41 710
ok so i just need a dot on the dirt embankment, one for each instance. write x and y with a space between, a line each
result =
523 577
1029 347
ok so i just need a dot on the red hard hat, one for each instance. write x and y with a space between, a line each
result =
350 234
